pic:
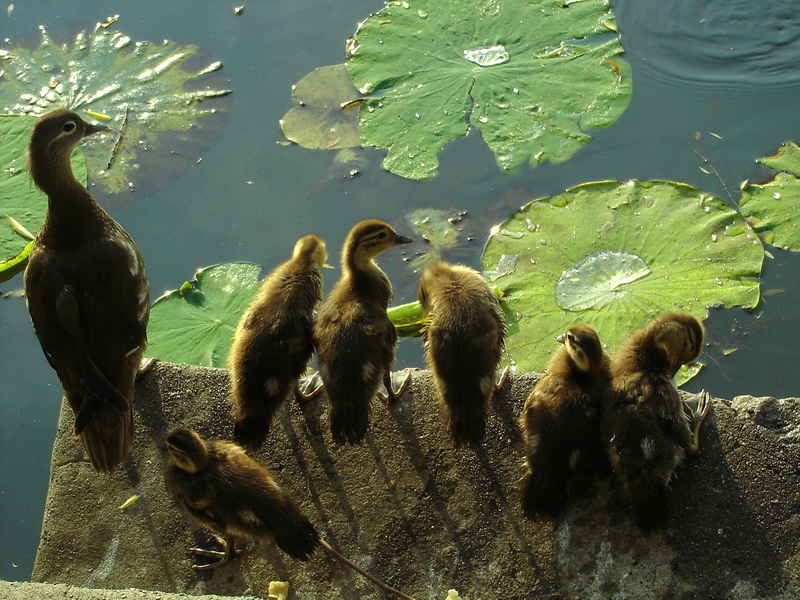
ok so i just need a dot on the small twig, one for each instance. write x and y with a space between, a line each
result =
713 168
386 588
119 139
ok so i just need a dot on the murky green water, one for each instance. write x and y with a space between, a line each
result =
722 66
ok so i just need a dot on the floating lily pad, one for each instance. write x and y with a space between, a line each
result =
533 76
162 101
323 117
616 255
19 198
772 208
437 232
195 324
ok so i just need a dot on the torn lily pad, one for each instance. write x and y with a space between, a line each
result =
162 101
19 198
535 77
616 255
434 229
772 208
195 324
323 116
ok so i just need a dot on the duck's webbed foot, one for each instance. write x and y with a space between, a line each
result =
228 552
697 416
308 388
500 378
388 382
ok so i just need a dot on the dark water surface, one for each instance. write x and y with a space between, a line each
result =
723 66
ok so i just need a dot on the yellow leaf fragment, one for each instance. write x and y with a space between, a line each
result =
279 590
19 228
129 502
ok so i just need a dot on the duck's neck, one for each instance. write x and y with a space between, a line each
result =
366 276
72 213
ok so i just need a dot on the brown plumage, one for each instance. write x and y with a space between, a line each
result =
646 426
354 338
273 341
87 294
463 342
561 421
234 496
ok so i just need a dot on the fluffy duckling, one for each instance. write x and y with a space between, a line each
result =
231 494
273 341
463 342
647 428
354 338
561 421
87 294
234 496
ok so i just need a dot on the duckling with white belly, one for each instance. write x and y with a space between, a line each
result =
354 338
463 343
273 341
561 421
647 427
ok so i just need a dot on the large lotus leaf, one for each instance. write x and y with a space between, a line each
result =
19 198
195 324
322 118
772 208
616 255
535 76
155 96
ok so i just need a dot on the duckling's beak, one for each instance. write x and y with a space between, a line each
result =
95 128
560 338
399 240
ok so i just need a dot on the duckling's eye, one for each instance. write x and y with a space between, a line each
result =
571 338
69 126
381 235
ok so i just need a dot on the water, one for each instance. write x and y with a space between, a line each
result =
686 80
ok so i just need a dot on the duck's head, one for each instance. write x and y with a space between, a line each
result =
367 240
187 449
584 347
312 249
680 336
53 139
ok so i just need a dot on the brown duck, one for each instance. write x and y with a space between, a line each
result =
273 341
87 294
234 496
354 338
463 341
561 421
648 430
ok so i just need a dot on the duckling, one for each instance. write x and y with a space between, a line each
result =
231 494
234 496
561 421
87 294
463 341
354 338
647 428
273 344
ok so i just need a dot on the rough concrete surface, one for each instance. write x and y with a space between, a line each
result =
426 517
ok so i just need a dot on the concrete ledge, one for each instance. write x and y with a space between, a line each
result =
17 590
425 517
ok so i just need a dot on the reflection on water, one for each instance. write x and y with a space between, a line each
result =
249 197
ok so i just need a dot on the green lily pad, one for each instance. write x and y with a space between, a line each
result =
616 255
160 99
772 208
195 324
534 76
322 117
19 198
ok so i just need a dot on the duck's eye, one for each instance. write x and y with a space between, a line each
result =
69 126
381 235
571 338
